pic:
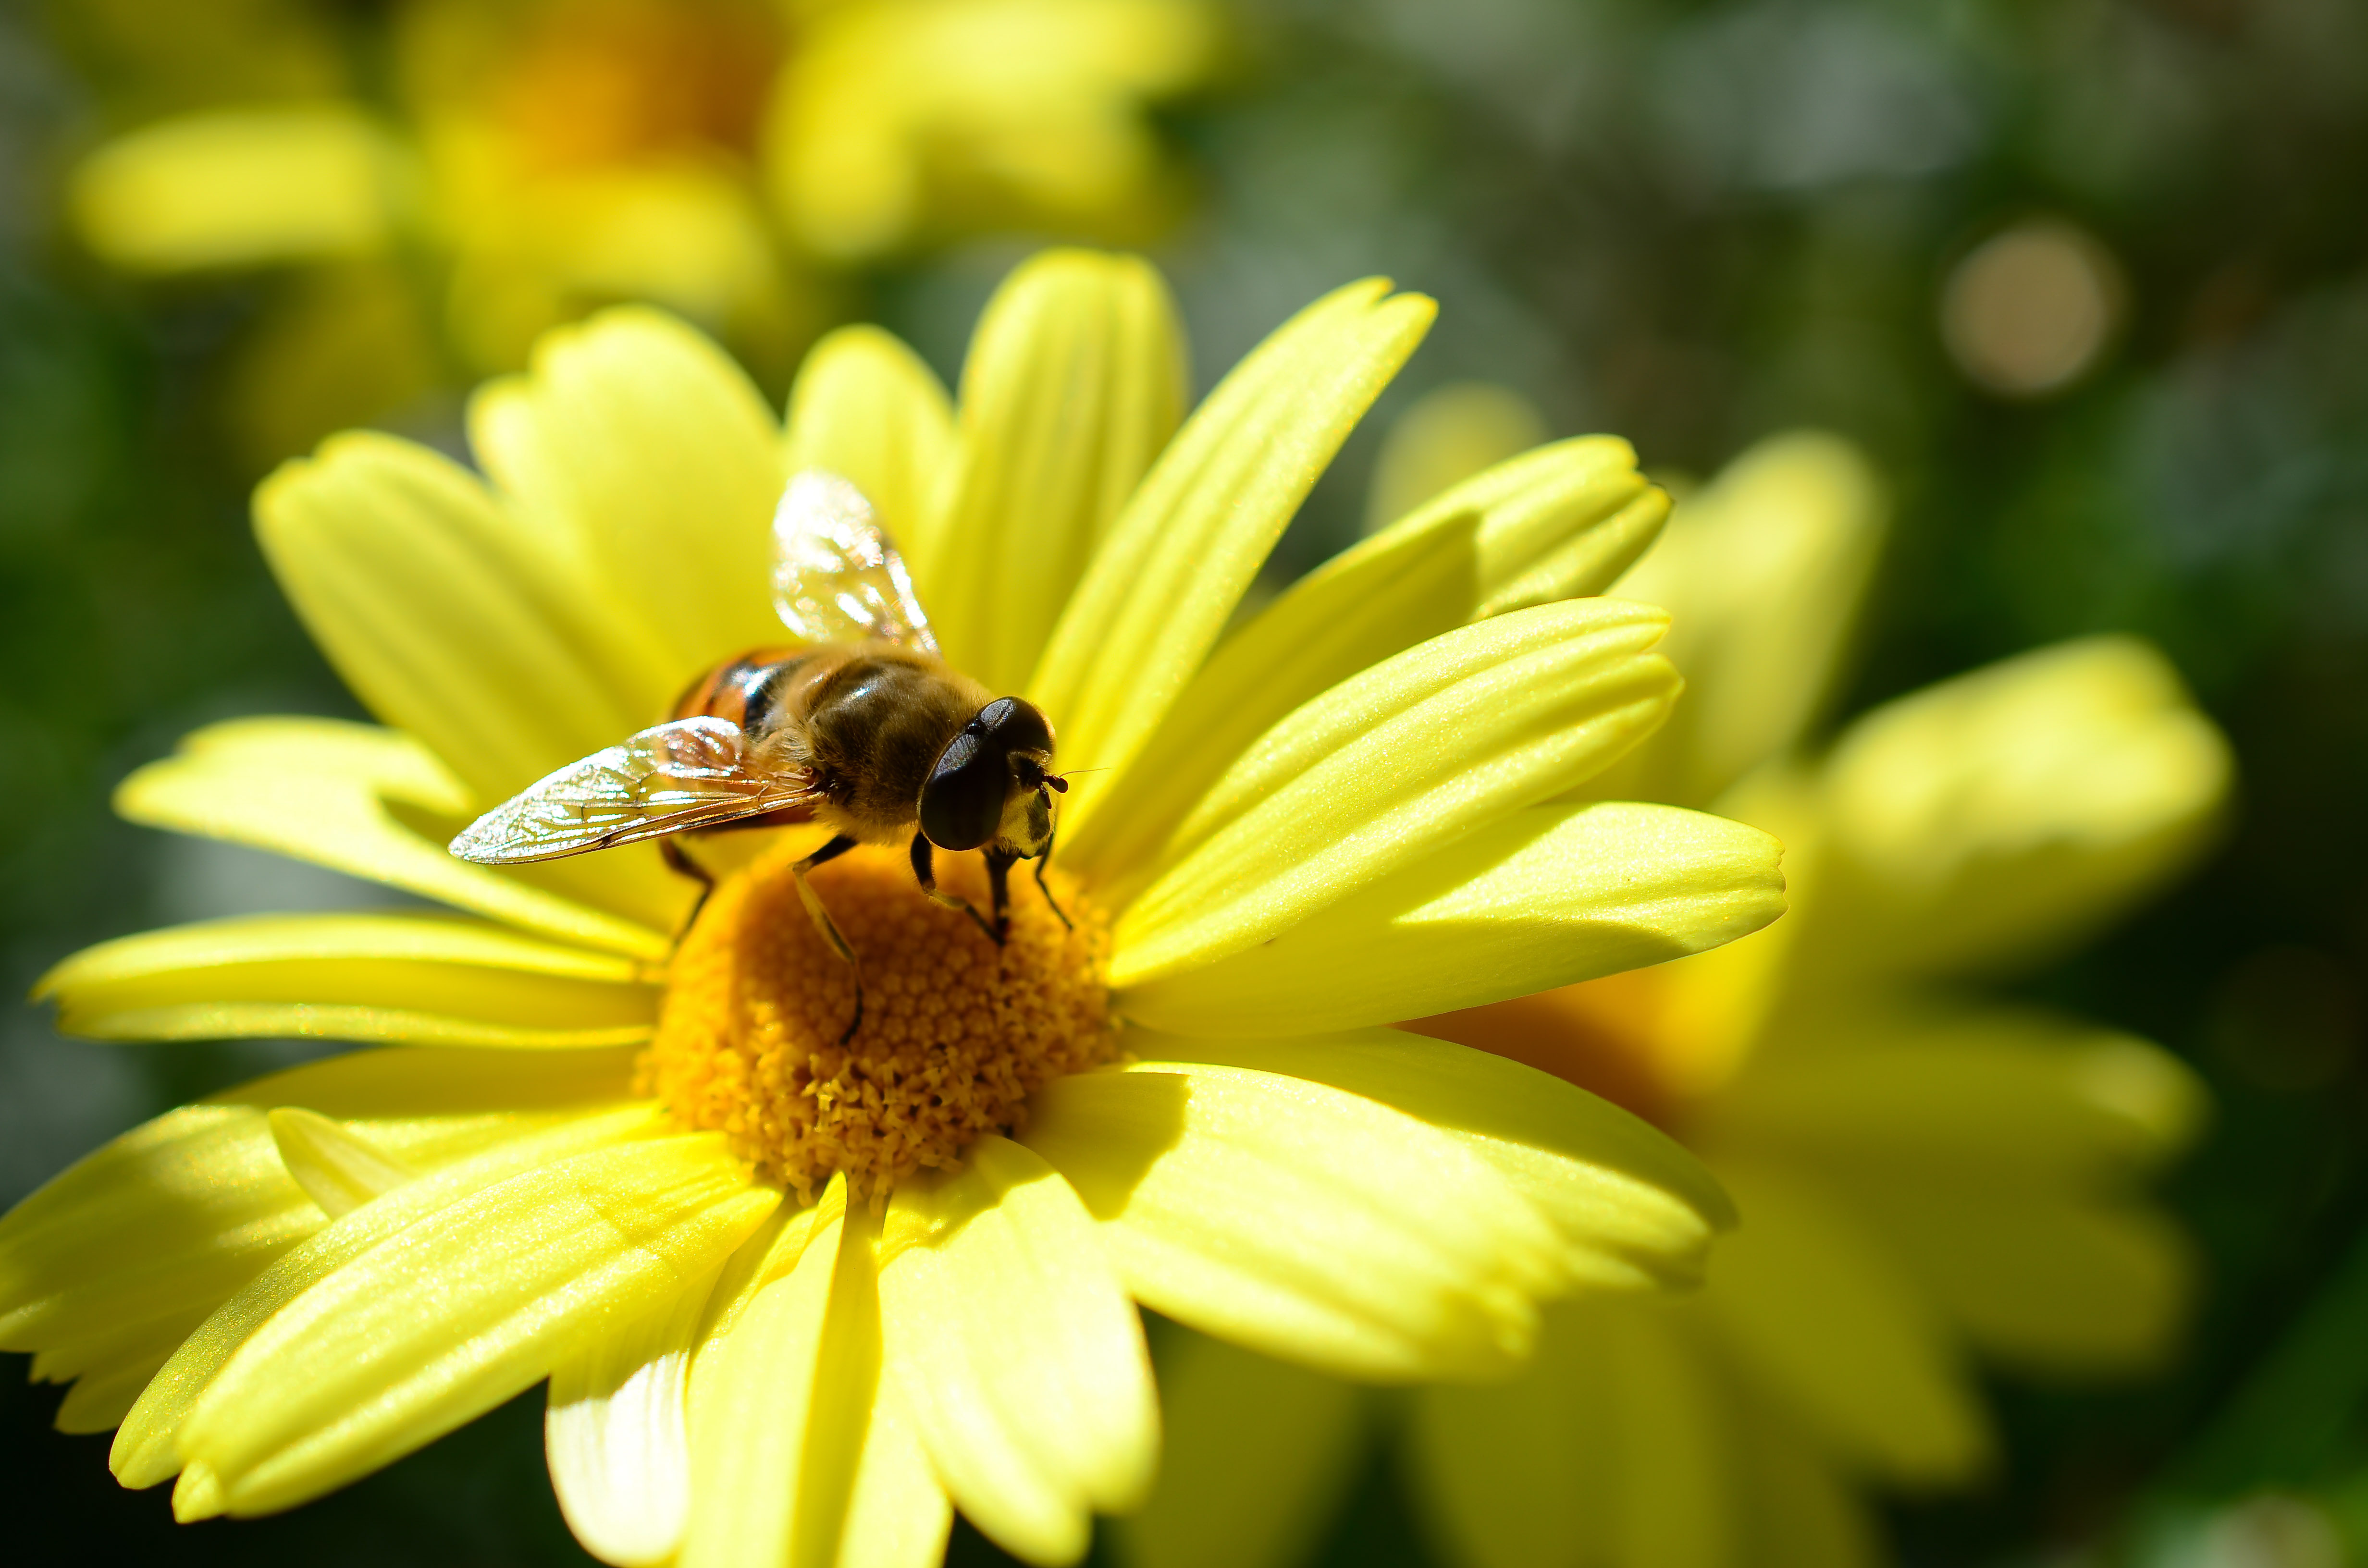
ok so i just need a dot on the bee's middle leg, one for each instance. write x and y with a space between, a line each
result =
825 925
925 871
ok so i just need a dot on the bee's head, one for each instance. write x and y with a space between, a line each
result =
994 782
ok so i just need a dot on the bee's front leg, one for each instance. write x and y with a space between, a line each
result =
998 886
825 925
925 871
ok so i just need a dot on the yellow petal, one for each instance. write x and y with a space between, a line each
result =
455 1312
1178 559
158 1226
1019 1356
1260 1457
323 791
1991 1094
241 187
339 1169
1075 382
1311 1224
453 974
1820 1315
1541 898
147 1235
640 439
1803 1504
1762 572
148 1448
784 1388
1556 523
865 406
1444 437
2058 1283
99 1399
1610 1449
900 1516
1385 768
1997 816
445 611
1633 1207
614 1434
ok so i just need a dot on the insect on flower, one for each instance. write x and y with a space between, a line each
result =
862 726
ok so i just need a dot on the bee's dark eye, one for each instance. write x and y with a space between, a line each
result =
962 804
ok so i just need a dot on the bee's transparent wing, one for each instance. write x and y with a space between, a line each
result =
689 773
836 576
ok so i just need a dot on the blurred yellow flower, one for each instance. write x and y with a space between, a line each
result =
1922 1175
532 159
638 1167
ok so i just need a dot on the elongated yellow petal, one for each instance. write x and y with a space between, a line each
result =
1386 768
1554 524
1805 1505
158 1226
1611 1450
640 438
1992 818
615 1436
1178 559
1822 1317
100 1398
1017 1355
462 973
1075 382
900 1516
241 187
1762 571
1260 1457
865 406
1314 1225
148 1448
784 1387
2056 1282
146 1237
1542 897
1998 1095
459 1310
339 1169
1631 1206
444 611
322 789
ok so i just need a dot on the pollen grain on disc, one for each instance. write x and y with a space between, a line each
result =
956 1033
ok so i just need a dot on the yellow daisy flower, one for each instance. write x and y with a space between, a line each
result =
1922 1175
547 156
799 1295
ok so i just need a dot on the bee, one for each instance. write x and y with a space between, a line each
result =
861 725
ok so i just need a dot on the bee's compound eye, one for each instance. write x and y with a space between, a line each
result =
963 802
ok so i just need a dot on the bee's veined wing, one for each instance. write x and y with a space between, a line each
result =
836 576
689 773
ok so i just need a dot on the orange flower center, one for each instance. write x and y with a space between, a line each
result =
956 1033
1603 1035
612 80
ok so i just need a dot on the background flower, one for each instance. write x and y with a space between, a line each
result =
524 160
1918 1170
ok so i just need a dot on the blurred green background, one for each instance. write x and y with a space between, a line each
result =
1688 223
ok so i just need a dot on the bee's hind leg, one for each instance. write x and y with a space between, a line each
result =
670 851
925 871
825 925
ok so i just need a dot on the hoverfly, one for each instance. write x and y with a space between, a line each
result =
862 726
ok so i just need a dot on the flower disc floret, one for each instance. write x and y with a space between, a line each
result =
956 1033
